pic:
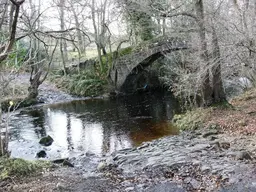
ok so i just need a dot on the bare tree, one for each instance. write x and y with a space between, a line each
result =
38 75
5 49
7 46
63 43
78 27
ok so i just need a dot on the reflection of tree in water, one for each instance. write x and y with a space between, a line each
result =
141 105
69 134
15 132
158 105
114 134
38 122
122 127
106 139
115 127
125 117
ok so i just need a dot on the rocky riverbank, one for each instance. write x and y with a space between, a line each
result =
208 160
193 161
215 158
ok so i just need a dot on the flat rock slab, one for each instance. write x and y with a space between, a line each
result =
194 163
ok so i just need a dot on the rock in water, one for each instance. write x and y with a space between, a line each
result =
41 154
46 141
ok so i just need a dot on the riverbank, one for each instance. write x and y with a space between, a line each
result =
188 162
48 92
207 159
218 156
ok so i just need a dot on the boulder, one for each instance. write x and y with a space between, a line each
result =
64 162
46 141
41 154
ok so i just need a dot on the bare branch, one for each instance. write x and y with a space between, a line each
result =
49 63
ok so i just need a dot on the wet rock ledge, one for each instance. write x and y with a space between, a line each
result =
193 161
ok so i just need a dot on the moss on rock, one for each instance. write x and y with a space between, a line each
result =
46 141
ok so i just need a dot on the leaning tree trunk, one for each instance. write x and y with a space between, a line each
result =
218 90
34 84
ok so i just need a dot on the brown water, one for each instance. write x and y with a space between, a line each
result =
96 126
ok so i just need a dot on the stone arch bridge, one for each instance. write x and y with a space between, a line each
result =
141 57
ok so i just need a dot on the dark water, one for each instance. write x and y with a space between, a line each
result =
97 126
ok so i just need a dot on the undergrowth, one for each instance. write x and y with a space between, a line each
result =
88 83
82 84
16 167
193 119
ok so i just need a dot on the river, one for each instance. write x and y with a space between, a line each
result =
98 126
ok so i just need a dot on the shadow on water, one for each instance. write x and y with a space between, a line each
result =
98 126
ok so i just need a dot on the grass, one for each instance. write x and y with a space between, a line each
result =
123 51
248 95
238 117
82 84
193 119
16 167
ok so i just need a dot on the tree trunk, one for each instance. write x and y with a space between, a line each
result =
99 57
32 92
63 57
206 86
96 33
36 78
63 44
164 26
218 91
4 51
12 9
33 88
78 32
1 139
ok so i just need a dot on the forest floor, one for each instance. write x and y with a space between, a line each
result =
214 158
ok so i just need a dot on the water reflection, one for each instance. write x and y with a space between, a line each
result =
98 126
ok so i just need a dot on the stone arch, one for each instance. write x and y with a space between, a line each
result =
134 80
125 67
